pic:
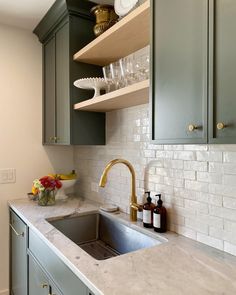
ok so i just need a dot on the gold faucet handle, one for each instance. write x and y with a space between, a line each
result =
137 207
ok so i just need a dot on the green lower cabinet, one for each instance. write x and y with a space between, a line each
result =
18 258
39 282
55 291
60 274
37 268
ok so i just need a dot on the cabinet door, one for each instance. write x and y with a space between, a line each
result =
54 290
38 281
18 244
179 71
49 92
64 278
222 71
62 86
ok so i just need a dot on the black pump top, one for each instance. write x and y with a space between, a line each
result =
159 202
149 199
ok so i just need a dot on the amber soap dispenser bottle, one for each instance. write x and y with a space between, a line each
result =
148 211
159 216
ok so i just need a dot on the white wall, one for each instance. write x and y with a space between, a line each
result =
198 182
20 126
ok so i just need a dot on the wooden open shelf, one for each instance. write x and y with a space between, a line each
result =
128 35
129 96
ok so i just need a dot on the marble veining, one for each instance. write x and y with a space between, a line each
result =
179 266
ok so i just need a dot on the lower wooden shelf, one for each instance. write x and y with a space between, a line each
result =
129 96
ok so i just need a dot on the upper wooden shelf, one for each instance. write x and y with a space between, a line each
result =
129 96
126 36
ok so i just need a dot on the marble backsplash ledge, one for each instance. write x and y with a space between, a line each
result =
198 182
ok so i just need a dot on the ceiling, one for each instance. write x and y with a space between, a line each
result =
26 14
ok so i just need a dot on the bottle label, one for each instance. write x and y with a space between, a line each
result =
157 220
147 217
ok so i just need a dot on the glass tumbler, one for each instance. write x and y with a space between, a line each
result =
108 78
127 66
141 58
116 73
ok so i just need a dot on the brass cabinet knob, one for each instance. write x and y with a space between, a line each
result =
192 127
220 126
44 286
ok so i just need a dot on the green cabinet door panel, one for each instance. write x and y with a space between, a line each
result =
49 118
18 248
54 291
62 85
38 280
179 71
222 71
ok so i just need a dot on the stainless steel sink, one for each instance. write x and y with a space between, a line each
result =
101 236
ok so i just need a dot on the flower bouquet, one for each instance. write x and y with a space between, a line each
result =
45 188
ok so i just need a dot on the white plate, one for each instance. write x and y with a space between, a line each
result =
122 7
91 83
109 207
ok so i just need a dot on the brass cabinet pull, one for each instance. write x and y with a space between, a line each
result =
54 138
220 126
192 127
16 233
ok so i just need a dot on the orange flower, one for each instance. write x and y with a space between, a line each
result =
34 190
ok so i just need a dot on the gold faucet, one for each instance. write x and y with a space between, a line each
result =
134 207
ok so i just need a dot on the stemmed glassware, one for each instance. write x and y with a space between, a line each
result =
128 70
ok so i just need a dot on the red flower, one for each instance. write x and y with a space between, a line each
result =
50 183
58 183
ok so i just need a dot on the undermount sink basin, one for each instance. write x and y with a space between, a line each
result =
101 236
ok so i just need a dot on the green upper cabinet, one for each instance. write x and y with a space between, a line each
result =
193 71
222 94
66 28
179 71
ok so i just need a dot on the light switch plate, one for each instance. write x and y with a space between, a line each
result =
7 175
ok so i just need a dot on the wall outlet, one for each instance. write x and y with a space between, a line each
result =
7 175
94 187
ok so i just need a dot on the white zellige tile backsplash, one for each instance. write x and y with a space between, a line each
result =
197 182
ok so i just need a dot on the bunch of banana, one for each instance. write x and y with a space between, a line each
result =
69 176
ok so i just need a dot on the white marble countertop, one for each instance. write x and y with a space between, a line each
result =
179 266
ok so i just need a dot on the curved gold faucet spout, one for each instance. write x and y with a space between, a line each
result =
133 202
